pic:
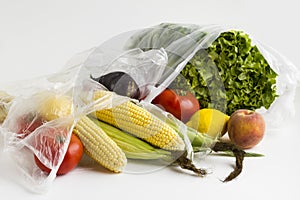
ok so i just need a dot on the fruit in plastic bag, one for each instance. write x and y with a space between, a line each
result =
210 121
181 106
27 123
72 157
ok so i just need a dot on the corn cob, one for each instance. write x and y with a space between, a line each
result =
99 146
136 120
132 146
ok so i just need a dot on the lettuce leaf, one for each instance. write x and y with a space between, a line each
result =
248 80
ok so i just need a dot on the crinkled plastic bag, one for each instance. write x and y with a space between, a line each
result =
33 121
146 68
185 44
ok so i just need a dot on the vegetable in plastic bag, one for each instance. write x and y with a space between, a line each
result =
246 79
38 124
226 68
148 68
120 83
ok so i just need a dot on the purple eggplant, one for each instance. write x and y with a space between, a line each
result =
120 83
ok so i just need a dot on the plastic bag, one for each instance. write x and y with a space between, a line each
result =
146 68
32 123
47 108
236 71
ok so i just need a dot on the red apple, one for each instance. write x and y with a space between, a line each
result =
246 128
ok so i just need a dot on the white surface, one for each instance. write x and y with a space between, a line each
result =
38 37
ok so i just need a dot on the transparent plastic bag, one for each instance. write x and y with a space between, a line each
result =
146 68
39 120
183 42
47 108
197 47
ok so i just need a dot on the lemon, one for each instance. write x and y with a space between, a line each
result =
210 121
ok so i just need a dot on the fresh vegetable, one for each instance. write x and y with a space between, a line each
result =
210 121
136 148
246 128
99 146
229 74
49 143
141 123
27 123
71 159
120 83
181 106
132 146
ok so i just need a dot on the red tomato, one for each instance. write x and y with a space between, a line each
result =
50 146
72 156
182 107
26 124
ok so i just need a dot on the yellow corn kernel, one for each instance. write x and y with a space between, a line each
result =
99 146
141 123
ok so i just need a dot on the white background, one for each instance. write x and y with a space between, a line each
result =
38 37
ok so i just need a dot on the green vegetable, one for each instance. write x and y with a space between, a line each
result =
229 74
